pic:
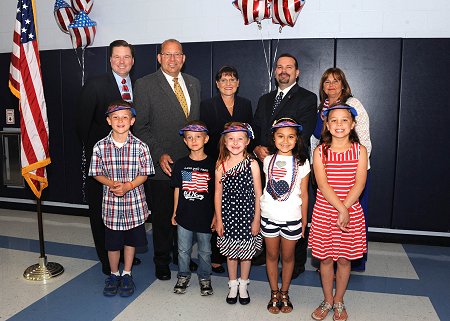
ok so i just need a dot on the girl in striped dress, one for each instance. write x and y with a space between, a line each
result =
338 231
238 186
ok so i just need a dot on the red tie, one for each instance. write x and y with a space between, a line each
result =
125 91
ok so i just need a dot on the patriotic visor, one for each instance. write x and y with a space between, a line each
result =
114 108
286 122
193 128
349 108
240 128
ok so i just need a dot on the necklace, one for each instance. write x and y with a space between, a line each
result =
271 182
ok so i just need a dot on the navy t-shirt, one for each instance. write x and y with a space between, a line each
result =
195 179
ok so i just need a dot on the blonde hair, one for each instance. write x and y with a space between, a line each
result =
224 153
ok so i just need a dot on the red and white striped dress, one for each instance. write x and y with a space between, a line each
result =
325 238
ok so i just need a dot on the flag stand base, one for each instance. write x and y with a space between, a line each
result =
43 270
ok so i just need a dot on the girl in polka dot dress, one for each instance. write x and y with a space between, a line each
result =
238 185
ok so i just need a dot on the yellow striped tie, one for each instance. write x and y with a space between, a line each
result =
180 96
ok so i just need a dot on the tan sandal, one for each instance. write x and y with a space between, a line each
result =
274 304
340 313
285 303
321 312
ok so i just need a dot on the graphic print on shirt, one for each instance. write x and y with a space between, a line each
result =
194 181
276 183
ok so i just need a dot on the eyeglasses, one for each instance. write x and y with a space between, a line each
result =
332 82
228 81
168 55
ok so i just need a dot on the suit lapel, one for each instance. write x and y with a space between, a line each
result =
167 89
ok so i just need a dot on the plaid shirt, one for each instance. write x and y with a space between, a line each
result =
123 165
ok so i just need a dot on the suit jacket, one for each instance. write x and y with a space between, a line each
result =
160 116
298 104
215 115
95 97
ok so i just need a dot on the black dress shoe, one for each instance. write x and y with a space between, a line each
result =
232 300
218 269
193 266
244 301
162 273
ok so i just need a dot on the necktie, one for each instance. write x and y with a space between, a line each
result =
180 96
125 91
277 102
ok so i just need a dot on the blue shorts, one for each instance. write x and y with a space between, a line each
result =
115 240
290 230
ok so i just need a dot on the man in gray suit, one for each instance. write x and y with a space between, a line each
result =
164 102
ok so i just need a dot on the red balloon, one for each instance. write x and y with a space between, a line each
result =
285 12
253 10
82 5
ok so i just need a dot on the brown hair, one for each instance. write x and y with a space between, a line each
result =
339 75
120 43
224 153
326 135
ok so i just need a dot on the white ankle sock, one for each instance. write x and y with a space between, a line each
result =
233 285
126 272
243 288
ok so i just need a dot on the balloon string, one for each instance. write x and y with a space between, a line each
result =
82 67
80 63
269 73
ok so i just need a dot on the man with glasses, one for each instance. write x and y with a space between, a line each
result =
291 101
165 101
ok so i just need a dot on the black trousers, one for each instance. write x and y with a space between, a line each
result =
95 196
164 233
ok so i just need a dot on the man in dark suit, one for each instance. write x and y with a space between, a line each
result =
93 102
288 100
165 101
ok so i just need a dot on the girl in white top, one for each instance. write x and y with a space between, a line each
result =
284 206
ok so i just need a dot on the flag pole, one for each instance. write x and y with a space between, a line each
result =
43 270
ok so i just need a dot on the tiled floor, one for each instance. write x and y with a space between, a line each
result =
401 282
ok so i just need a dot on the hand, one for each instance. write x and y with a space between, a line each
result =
165 161
119 189
174 221
256 227
213 224
219 228
261 152
343 220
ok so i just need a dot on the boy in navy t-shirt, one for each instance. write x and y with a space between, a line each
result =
193 179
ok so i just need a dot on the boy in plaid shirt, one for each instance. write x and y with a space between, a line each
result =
122 162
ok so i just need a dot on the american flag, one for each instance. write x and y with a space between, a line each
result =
25 82
278 173
195 181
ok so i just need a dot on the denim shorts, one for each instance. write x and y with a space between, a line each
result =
115 240
290 230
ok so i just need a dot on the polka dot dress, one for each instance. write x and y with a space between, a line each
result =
238 210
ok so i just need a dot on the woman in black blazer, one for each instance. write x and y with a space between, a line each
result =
215 113
224 107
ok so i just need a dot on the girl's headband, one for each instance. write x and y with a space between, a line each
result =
193 128
286 122
240 128
349 108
